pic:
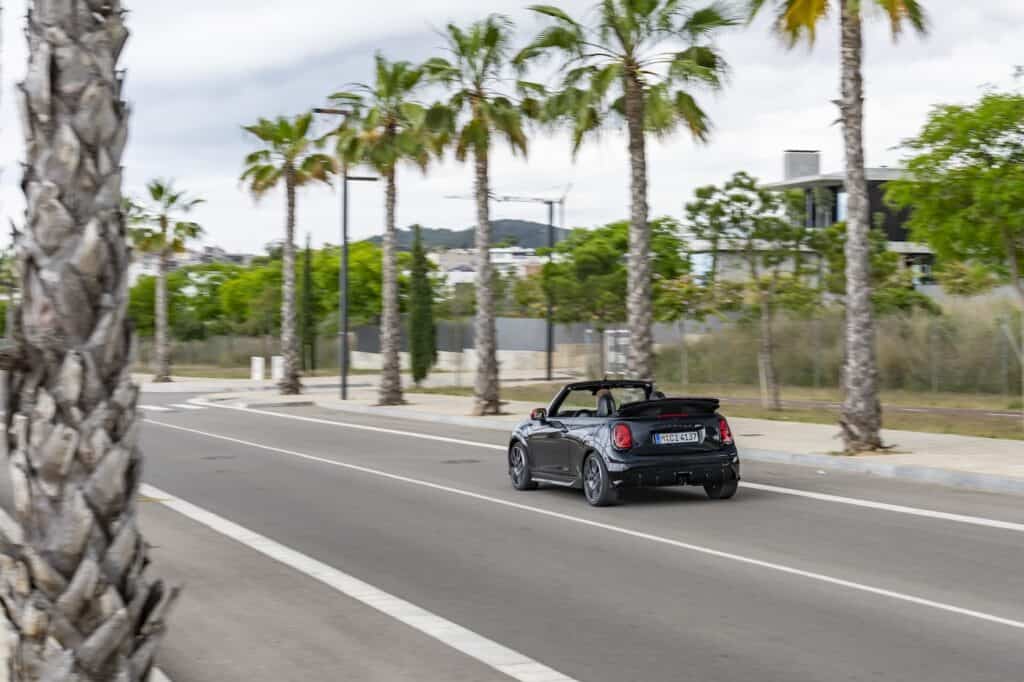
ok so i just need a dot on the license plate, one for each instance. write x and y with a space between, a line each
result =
677 438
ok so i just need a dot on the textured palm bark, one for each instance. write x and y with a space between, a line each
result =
290 383
638 299
390 321
861 418
162 351
485 337
73 588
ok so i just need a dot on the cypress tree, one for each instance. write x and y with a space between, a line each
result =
422 342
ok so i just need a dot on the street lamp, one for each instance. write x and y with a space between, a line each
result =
345 178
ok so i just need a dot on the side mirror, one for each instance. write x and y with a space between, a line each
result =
539 414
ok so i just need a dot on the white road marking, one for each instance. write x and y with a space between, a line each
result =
157 675
503 659
869 504
1003 414
911 409
750 561
187 406
155 408
899 509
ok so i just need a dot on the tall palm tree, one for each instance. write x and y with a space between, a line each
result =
156 229
72 583
387 127
288 157
639 62
796 21
478 109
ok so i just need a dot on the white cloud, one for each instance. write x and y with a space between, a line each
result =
199 69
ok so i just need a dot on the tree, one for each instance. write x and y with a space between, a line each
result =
387 127
422 334
478 110
797 20
742 219
309 312
965 185
157 230
288 156
76 599
640 63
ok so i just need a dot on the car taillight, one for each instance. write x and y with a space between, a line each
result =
622 437
724 432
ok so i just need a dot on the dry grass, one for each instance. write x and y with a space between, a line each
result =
967 425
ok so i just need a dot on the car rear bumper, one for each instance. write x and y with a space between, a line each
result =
684 470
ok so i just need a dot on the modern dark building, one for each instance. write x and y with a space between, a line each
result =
826 203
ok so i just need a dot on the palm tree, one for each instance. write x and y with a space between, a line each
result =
288 156
75 597
639 63
387 127
157 230
797 20
476 111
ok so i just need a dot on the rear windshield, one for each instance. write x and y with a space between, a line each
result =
583 402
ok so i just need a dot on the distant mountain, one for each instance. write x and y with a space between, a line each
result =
523 233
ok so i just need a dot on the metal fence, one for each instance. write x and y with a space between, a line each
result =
969 351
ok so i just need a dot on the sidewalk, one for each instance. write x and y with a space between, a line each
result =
980 463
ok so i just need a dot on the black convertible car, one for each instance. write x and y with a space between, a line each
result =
605 435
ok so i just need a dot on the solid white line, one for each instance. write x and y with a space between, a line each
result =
819 577
155 408
869 504
882 506
186 406
503 659
157 675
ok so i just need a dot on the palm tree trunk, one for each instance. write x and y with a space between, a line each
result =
290 383
770 398
163 363
390 322
485 334
861 418
72 582
638 298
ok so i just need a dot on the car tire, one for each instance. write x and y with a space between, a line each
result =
722 490
597 485
519 468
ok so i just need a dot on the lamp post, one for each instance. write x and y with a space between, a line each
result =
343 181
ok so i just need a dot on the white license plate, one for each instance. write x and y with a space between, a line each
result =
677 438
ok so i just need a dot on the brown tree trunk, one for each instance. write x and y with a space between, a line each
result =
163 361
390 322
485 337
291 383
72 580
638 298
861 418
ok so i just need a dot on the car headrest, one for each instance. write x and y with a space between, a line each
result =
605 406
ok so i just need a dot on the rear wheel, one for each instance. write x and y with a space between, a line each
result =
597 485
519 468
722 490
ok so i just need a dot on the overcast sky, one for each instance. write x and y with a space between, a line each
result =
199 69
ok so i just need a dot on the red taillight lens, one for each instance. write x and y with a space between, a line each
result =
724 432
622 437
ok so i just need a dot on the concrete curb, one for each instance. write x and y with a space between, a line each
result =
918 474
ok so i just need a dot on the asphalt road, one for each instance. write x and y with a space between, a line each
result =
668 586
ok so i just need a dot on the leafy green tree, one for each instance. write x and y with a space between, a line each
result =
388 127
797 21
641 61
751 224
252 301
478 109
157 228
422 334
364 284
288 156
965 186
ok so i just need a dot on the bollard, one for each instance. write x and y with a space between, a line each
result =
277 368
257 368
